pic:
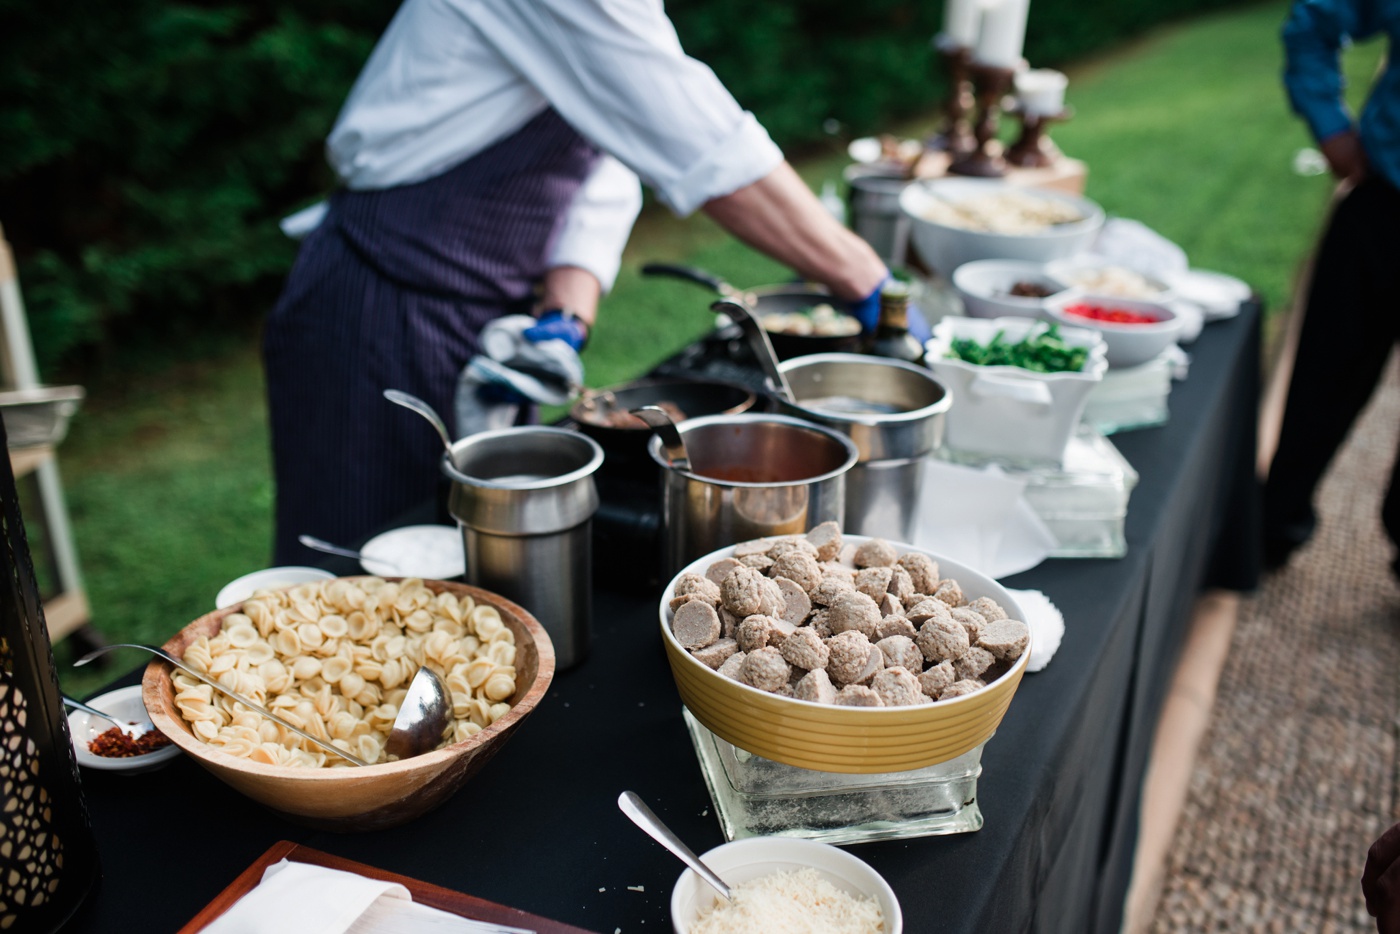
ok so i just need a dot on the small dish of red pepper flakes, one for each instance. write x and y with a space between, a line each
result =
115 744
1110 315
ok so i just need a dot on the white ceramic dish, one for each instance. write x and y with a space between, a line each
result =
1126 345
432 552
1104 277
240 589
124 704
1006 410
743 860
985 285
1218 295
946 248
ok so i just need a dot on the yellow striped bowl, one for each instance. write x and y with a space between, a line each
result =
845 739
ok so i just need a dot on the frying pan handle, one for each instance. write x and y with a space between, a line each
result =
691 274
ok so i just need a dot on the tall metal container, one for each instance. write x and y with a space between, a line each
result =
48 859
524 499
893 412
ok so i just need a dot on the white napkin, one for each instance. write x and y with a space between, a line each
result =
1046 623
298 898
979 517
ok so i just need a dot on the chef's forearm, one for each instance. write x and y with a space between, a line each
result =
574 289
779 215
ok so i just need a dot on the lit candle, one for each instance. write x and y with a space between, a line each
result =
960 22
1041 91
1003 34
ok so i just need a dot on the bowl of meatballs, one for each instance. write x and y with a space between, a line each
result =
843 653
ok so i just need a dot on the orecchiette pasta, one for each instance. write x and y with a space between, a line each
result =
335 658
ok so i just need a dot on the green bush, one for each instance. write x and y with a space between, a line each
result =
147 148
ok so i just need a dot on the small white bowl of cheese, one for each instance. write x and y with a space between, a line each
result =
779 882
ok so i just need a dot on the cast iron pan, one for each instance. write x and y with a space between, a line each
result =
769 299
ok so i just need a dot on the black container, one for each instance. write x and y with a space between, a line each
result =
48 859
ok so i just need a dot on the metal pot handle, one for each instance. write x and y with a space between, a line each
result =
696 275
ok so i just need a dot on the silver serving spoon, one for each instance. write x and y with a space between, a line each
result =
641 815
666 430
758 340
410 401
135 729
321 545
414 721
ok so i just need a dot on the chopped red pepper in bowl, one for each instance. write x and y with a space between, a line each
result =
1109 315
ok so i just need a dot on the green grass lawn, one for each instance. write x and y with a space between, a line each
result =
1186 129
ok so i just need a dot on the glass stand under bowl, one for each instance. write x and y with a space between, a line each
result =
757 797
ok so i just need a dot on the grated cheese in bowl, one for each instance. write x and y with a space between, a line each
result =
797 902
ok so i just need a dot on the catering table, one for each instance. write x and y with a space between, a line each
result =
538 829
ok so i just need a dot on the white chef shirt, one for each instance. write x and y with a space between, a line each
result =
451 77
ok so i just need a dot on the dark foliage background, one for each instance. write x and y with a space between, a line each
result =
148 147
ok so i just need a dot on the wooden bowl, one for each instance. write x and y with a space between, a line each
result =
853 740
372 797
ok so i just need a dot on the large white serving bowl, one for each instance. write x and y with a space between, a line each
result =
744 860
1125 345
946 248
984 285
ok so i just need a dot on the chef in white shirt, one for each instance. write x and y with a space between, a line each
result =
490 154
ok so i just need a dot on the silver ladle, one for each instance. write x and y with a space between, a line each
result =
762 346
641 815
666 430
413 727
412 402
321 545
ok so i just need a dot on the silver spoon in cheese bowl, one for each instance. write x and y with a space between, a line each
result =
418 728
636 810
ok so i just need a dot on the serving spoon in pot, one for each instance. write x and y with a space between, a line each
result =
409 401
418 728
660 422
758 340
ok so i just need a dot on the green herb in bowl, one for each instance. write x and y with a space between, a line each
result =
1040 352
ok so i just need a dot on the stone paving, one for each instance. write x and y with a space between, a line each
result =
1298 772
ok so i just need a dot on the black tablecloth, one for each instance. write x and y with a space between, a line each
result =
539 829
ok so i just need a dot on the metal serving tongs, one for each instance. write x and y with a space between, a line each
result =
758 340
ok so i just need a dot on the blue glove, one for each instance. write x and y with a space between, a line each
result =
558 325
867 310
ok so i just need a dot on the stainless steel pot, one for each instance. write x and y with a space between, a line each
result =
524 499
893 412
750 476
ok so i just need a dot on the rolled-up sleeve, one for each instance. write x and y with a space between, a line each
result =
599 221
616 71
1313 36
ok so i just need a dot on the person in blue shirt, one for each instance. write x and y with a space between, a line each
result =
1352 317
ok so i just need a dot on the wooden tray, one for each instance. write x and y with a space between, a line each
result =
465 906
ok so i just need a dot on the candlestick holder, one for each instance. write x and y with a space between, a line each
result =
985 160
1034 149
956 136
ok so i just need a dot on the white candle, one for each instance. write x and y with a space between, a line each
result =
960 21
1003 34
1041 91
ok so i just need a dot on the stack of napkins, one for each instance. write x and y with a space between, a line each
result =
978 517
299 898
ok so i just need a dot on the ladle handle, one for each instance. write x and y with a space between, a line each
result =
256 708
641 815
412 402
666 430
758 340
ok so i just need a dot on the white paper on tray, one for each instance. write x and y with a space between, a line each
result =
980 518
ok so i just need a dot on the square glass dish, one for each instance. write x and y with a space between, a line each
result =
757 797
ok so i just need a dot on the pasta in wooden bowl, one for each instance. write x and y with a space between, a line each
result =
335 657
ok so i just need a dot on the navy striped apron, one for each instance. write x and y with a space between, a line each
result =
391 291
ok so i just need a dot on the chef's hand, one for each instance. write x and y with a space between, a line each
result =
1345 155
1380 881
867 310
558 324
